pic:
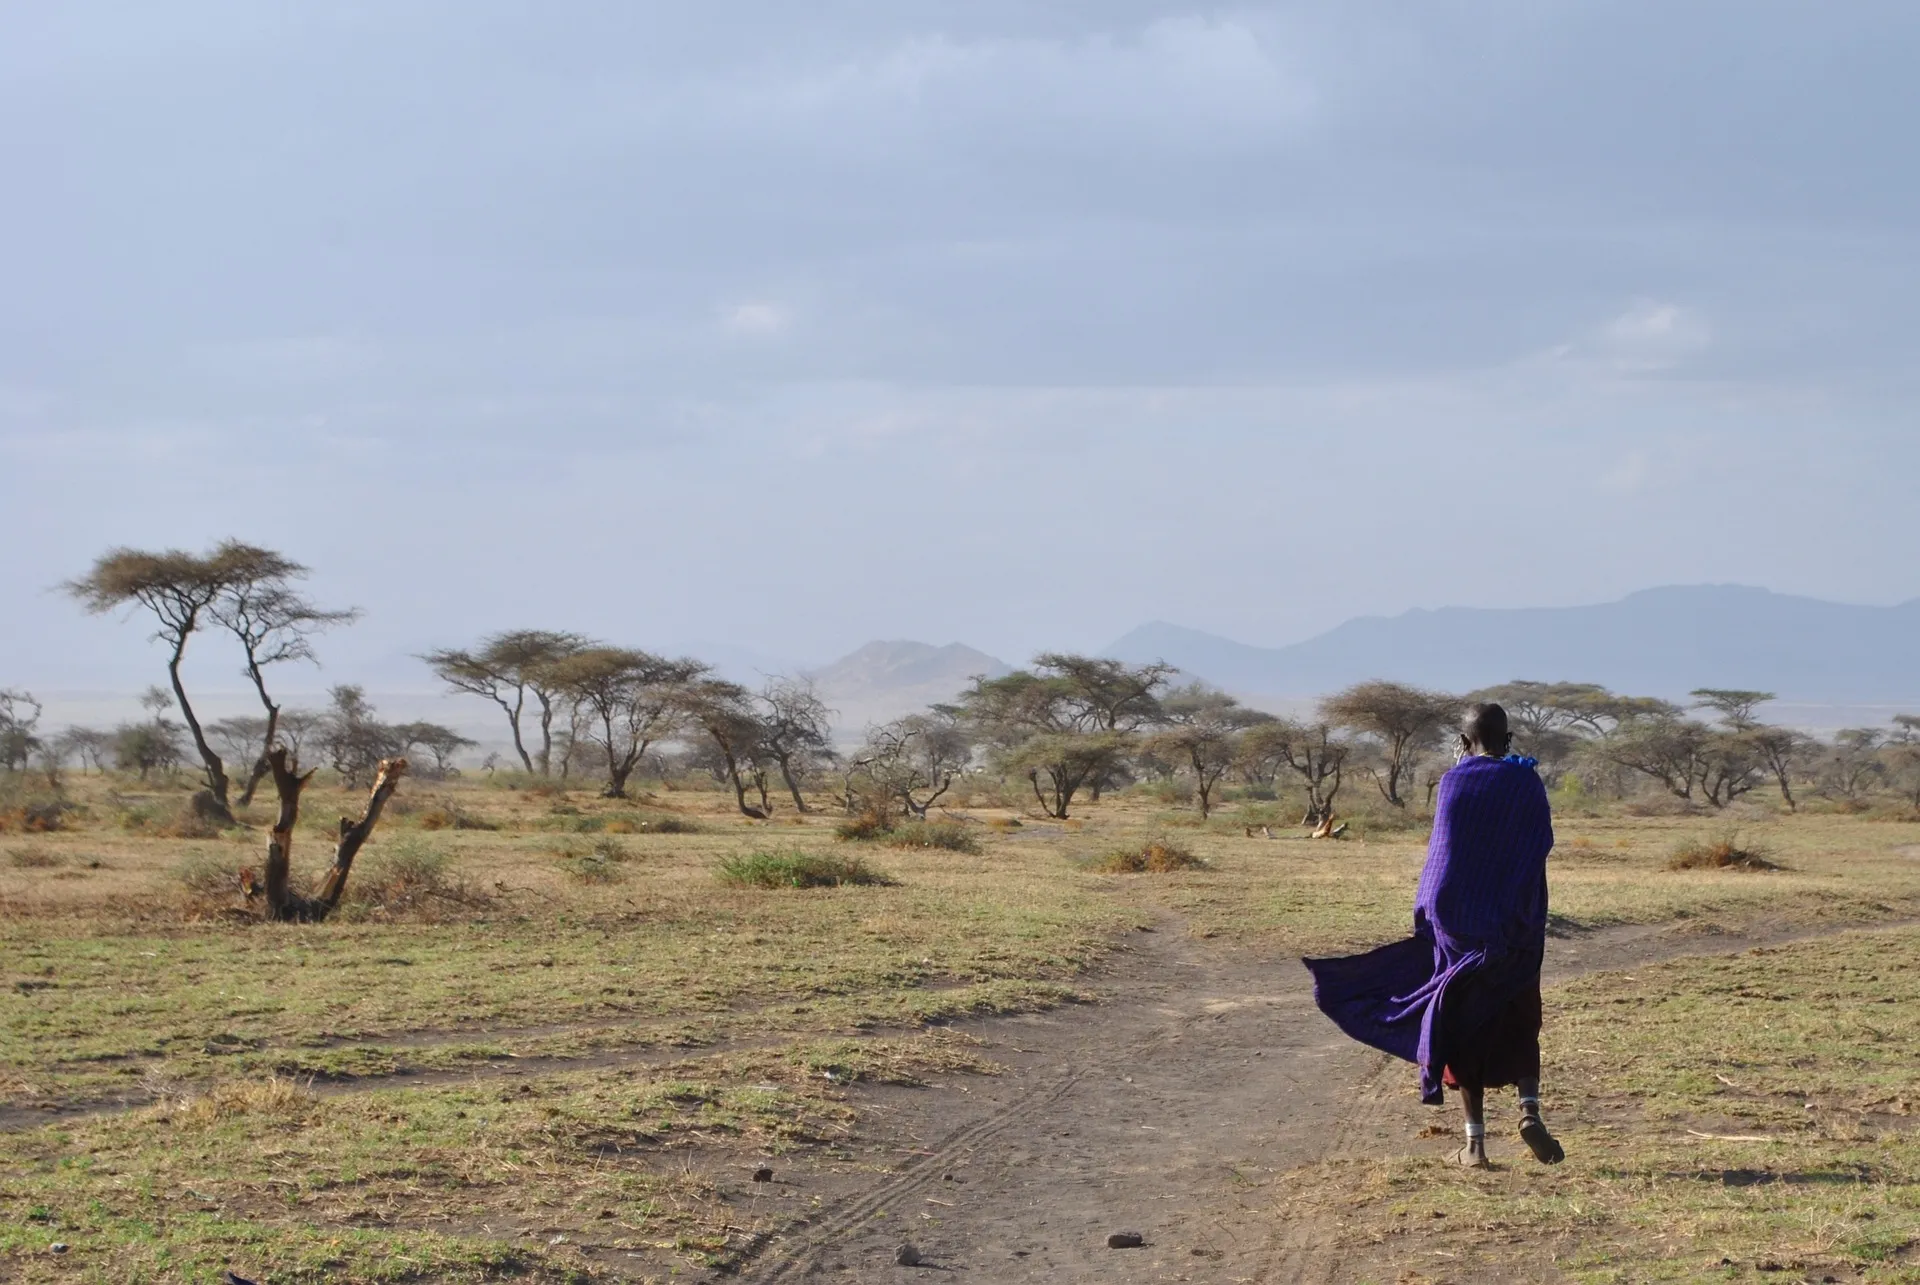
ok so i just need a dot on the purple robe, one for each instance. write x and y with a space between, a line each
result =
1479 926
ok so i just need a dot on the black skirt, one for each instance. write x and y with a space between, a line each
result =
1504 1050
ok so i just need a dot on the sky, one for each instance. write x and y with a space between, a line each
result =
765 329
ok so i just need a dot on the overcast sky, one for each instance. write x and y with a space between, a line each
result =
788 326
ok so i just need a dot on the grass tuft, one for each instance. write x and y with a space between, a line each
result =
797 870
1158 855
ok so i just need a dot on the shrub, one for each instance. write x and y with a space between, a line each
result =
950 835
36 818
1724 852
1158 855
206 875
797 870
407 875
866 826
599 863
444 816
32 859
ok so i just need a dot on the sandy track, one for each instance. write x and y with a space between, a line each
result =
1167 1109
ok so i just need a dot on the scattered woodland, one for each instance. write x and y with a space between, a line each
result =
1068 728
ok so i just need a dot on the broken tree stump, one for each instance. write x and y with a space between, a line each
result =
283 903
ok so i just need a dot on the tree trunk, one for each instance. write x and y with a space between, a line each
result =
260 765
793 787
546 733
216 770
283 903
513 722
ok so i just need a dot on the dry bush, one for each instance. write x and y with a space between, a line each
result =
867 826
410 877
35 818
444 816
276 1098
598 864
207 876
1158 855
1723 852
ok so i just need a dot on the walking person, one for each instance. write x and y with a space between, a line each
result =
1461 997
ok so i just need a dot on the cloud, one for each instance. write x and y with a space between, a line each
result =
1655 335
755 318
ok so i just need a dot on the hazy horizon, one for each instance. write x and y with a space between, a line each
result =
1010 325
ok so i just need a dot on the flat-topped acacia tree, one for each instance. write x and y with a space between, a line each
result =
242 588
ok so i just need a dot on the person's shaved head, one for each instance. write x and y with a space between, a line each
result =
1484 730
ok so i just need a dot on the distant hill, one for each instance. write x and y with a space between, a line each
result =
1658 642
884 680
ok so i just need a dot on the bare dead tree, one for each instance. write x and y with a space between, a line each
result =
796 726
283 903
912 761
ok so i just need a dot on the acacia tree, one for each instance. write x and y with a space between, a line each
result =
273 623
90 744
19 719
1903 751
1783 752
508 667
796 728
1319 758
1066 723
177 589
1405 720
725 712
1205 736
626 700
1735 707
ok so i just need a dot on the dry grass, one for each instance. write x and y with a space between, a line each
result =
1723 852
120 986
1739 1117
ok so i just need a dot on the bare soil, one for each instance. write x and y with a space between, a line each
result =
1167 1109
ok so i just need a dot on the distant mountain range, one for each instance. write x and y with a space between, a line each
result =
1658 642
884 680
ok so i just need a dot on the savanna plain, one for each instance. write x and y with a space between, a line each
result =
556 1037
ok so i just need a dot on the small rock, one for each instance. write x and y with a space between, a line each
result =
1126 1240
58 1247
907 1256
763 1174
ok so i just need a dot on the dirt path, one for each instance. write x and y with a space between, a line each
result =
1167 1109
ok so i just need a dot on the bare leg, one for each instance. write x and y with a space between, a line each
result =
1533 1130
1474 1154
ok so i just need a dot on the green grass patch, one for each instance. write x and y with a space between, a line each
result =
797 870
